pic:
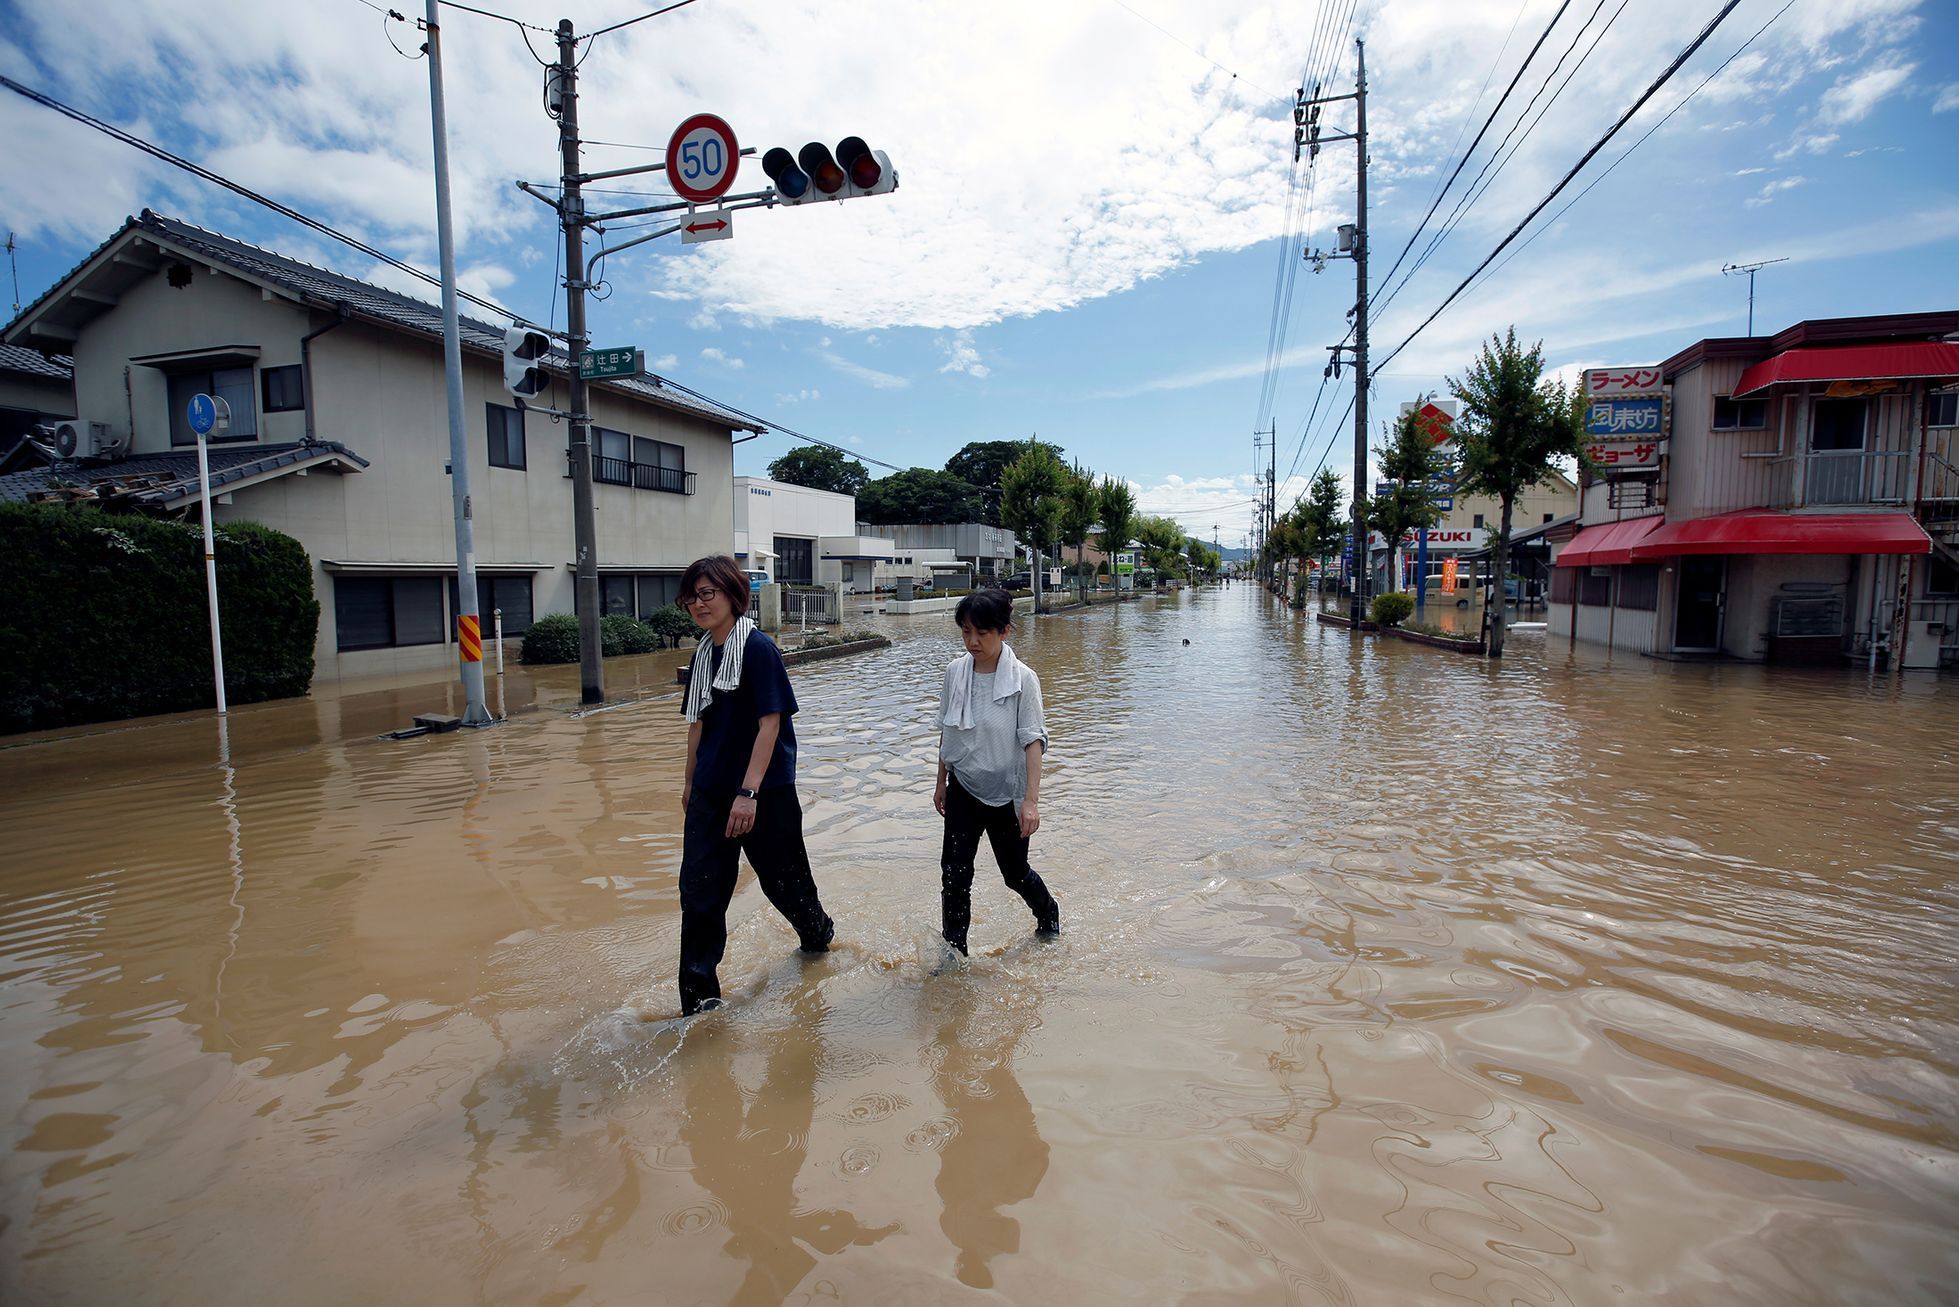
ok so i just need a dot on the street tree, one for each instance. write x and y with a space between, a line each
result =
983 463
1162 539
1033 492
1118 516
1410 463
918 495
1081 509
1323 518
820 468
1516 428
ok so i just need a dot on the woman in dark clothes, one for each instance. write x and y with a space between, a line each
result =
740 790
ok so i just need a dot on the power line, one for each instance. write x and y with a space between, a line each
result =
1481 132
1187 45
630 21
514 22
1658 82
200 171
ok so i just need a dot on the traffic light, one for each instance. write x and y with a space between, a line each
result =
813 173
523 370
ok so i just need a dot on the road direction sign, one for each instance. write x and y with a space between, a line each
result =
702 158
712 225
596 364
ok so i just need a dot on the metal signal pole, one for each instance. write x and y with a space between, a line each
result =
591 673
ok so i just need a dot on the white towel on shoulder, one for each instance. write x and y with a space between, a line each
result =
699 692
959 687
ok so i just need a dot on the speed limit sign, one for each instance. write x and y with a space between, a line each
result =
702 157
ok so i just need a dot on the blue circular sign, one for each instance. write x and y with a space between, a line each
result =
203 414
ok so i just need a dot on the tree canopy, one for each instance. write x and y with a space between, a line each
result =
1032 494
820 468
919 495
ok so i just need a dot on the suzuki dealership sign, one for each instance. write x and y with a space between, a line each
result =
1447 539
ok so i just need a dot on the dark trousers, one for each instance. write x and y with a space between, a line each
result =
965 819
709 864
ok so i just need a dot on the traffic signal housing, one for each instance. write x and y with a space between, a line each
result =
814 173
523 361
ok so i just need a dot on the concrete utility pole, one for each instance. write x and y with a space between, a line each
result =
1353 243
1358 610
469 623
591 667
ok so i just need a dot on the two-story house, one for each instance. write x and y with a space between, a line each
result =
339 437
1806 509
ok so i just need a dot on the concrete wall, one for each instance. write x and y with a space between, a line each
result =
43 397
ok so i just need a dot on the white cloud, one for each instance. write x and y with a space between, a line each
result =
1768 193
1948 99
802 396
963 356
665 363
1747 172
1852 98
869 376
714 354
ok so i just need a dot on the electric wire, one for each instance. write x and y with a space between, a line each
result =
1665 76
630 21
216 179
1275 95
1553 220
1488 122
515 22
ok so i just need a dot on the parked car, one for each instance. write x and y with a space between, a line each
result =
756 579
1018 581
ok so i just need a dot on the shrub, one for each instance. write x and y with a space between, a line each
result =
824 640
672 624
103 615
552 639
620 634
1391 609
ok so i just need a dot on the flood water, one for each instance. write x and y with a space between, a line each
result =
1388 976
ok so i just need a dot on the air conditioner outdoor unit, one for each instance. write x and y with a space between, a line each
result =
82 438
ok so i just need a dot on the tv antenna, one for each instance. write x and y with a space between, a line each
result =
1729 269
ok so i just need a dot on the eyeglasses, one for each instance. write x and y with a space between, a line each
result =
700 596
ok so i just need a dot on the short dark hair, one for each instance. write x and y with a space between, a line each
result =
721 572
985 610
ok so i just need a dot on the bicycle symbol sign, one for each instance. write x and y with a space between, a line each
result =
702 158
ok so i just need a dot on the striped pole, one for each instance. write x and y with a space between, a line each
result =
469 637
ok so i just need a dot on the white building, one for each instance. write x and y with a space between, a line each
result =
340 438
801 536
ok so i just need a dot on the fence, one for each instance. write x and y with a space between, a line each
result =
810 606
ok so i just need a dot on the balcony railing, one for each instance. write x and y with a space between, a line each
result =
1845 477
640 476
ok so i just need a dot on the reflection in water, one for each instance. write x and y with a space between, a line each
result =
993 1156
1394 976
748 1147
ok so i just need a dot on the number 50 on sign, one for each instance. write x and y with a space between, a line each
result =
702 158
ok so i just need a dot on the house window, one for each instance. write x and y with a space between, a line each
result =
1740 414
232 385
506 427
656 591
616 596
284 389
1595 587
1943 579
387 612
1547 517
1564 584
1942 408
510 593
659 465
1837 424
1639 586
795 560
612 457
1478 522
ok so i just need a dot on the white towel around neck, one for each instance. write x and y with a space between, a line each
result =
699 692
959 694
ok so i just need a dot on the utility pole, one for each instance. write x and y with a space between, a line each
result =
469 623
1353 243
591 667
1258 518
1728 269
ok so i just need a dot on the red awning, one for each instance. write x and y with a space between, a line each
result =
1765 531
1852 363
1612 542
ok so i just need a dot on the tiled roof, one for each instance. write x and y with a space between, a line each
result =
158 479
15 358
393 308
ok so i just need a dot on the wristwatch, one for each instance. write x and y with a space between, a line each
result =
745 794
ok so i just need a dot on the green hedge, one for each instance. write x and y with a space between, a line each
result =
1391 609
554 639
103 616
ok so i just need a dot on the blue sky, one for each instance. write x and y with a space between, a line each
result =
1095 196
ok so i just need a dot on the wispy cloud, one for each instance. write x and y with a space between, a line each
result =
1853 97
1948 99
869 376
1768 193
963 356
714 354
802 396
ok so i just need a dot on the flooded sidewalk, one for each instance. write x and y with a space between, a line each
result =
1388 975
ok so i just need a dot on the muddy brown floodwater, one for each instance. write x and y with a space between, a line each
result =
1389 976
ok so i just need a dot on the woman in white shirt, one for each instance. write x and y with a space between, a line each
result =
992 734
